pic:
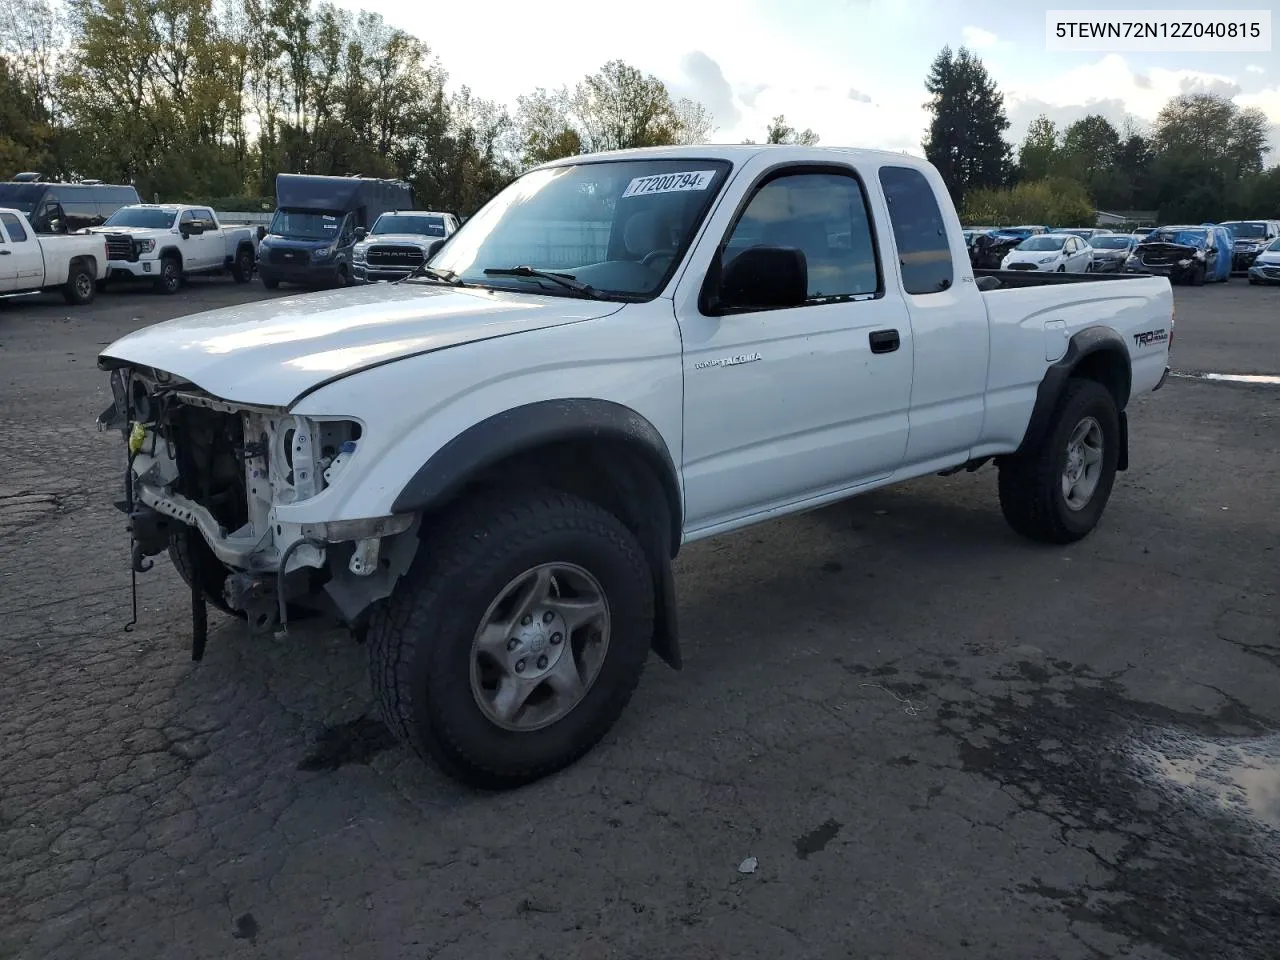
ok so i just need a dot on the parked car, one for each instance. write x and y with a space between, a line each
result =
398 243
1184 254
165 243
1266 266
1050 252
31 264
488 470
54 208
1250 238
313 230
987 250
1111 252
1084 233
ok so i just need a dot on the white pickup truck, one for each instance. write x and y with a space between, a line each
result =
166 242
31 264
487 470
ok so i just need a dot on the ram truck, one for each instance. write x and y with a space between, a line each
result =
30 264
165 243
398 243
488 469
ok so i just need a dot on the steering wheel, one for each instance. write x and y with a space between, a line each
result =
654 255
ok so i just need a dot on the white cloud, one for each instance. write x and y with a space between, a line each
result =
1254 68
975 38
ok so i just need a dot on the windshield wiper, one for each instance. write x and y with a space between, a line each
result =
433 273
567 280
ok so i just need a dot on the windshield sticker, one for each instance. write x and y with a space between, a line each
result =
669 183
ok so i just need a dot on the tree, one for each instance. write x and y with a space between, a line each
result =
1089 147
1054 200
965 139
618 108
780 132
545 128
1211 127
1038 154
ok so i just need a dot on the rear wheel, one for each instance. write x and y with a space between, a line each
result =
1056 492
1062 268
80 287
516 639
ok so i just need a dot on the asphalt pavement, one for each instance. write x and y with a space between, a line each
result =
901 732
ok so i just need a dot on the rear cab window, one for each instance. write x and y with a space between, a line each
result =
924 252
13 227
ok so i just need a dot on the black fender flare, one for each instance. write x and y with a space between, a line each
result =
525 428
171 252
1096 342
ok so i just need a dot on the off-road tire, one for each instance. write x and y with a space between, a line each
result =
420 639
170 280
242 266
1030 485
81 287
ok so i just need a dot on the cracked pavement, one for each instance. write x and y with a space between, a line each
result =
936 739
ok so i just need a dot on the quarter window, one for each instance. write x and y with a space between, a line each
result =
824 215
16 233
924 253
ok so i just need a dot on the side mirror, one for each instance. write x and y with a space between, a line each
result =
434 247
764 278
195 229
56 226
262 232
361 233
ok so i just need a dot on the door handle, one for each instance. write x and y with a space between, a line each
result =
884 341
5 253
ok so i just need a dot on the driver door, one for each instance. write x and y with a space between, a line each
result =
787 404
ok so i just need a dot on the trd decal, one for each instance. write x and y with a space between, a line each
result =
1150 338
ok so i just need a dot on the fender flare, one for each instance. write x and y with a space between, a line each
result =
171 252
525 428
1086 343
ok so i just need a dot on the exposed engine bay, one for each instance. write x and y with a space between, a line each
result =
205 481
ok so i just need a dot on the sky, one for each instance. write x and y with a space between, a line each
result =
852 70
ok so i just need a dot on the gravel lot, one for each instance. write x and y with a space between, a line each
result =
936 739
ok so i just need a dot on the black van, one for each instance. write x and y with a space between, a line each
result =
314 227
66 207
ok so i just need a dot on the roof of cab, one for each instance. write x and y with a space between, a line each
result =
741 152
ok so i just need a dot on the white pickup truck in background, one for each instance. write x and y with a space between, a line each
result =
487 470
166 242
32 264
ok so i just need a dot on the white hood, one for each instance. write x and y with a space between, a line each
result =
1270 258
270 352
413 239
129 231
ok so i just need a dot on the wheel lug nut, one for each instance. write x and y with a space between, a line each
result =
520 666
526 620
548 617
512 643
542 663
556 639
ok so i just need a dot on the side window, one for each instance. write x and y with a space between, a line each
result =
12 224
206 216
824 215
918 228
185 219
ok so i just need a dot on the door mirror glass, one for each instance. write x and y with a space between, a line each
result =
262 232
195 228
361 233
434 247
764 278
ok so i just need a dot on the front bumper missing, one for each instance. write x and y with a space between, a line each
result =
300 544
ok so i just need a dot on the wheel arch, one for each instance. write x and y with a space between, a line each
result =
1095 353
598 449
170 252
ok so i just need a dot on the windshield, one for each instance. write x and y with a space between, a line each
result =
417 226
306 224
1041 243
21 196
1112 243
138 217
1248 231
620 226
1187 238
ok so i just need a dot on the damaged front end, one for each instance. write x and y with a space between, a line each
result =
205 482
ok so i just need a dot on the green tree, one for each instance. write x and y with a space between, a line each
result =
1038 154
618 108
1054 200
544 127
965 139
779 131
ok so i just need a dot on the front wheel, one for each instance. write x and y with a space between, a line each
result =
242 268
1056 492
271 283
516 639
170 280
